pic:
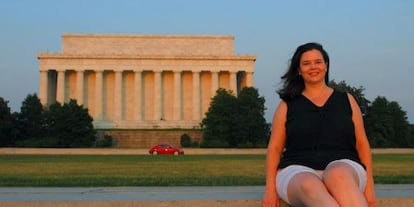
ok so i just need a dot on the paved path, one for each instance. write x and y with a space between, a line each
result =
24 194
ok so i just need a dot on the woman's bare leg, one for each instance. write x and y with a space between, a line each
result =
307 189
342 182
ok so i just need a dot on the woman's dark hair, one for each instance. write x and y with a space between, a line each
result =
293 83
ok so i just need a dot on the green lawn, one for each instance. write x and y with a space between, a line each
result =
146 170
393 168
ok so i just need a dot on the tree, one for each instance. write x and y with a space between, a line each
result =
30 119
6 124
251 129
387 124
236 122
218 123
185 140
410 137
400 124
70 125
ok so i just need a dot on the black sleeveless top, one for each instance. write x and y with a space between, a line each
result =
315 135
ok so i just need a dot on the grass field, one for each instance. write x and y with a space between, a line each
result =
145 170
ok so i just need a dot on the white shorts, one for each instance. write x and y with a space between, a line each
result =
286 174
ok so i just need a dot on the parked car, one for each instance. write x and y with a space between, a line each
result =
165 149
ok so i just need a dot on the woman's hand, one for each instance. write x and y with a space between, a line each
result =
372 201
270 199
370 197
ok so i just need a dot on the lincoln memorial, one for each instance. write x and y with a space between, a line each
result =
143 81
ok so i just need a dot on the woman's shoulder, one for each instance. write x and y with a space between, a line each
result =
280 113
281 108
345 100
342 94
345 94
282 105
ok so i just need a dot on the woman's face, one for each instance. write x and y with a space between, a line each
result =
312 67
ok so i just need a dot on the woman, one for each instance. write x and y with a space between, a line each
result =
318 153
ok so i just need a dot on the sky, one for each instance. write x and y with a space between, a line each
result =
370 43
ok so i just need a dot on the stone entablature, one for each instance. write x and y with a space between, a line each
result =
171 89
143 45
82 63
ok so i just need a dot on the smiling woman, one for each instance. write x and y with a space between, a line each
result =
318 140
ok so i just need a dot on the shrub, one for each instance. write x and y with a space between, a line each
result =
185 140
105 141
195 144
41 142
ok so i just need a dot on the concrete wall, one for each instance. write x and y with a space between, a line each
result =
149 138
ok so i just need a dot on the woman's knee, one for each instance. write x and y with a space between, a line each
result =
340 175
308 190
305 184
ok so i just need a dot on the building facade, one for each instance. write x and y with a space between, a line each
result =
143 81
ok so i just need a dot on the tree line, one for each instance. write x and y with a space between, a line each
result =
233 122
386 123
238 121
59 125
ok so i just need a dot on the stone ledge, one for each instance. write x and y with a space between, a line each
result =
382 202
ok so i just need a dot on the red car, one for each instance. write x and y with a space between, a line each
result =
165 149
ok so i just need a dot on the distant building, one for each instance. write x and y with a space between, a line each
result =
143 81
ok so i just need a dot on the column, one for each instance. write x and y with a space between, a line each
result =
79 87
118 96
233 82
249 79
138 95
177 96
157 95
43 87
60 92
214 83
196 95
98 95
